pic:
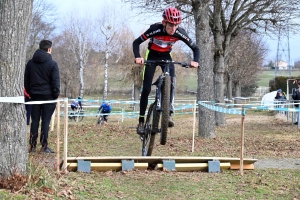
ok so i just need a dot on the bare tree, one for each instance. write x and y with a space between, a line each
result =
228 18
245 59
108 25
14 32
42 25
67 65
78 33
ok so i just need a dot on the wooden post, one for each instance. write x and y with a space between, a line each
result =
194 126
65 134
242 144
52 121
58 134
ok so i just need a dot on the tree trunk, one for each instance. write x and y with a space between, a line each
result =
219 70
237 89
205 73
229 87
15 18
81 84
105 75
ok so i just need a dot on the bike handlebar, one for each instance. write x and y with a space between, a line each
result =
183 64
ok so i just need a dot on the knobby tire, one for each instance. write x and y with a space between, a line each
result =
79 118
149 137
100 120
165 109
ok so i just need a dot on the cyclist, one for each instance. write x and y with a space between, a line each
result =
105 108
75 103
162 37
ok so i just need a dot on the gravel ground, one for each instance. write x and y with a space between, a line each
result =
286 163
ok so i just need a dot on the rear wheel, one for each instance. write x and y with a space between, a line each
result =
165 109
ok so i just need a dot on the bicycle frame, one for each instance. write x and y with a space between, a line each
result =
160 108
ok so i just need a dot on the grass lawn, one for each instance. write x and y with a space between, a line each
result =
266 136
265 76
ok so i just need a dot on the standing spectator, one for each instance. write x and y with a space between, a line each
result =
281 98
42 82
296 98
28 107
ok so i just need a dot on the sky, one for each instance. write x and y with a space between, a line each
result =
138 26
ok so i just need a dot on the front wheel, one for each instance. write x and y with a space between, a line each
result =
165 109
79 116
100 120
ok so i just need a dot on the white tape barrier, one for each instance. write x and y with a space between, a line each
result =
20 99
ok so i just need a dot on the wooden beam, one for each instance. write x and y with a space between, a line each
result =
185 167
107 166
245 166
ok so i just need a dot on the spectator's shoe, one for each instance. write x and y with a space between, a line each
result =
296 123
46 149
32 149
140 128
171 122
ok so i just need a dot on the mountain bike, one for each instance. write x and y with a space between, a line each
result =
76 115
102 117
160 108
100 120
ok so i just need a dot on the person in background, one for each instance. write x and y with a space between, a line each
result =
105 108
296 98
42 83
281 98
75 103
28 107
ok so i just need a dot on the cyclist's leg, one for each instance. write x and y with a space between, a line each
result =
147 82
105 118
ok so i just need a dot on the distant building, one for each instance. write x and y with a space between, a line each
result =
282 65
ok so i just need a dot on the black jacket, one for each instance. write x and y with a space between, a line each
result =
41 76
296 97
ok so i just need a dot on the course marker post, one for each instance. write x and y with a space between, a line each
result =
58 134
194 126
65 134
242 143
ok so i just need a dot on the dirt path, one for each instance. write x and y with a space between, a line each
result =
286 163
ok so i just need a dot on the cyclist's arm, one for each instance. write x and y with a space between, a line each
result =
188 41
80 105
136 43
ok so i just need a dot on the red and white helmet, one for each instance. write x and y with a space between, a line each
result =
172 15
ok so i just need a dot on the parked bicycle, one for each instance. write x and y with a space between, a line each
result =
159 110
76 115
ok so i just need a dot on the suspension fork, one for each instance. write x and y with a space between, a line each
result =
173 83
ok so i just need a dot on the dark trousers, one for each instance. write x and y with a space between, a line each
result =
148 78
28 108
43 112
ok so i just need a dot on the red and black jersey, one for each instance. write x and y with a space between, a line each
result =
161 42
